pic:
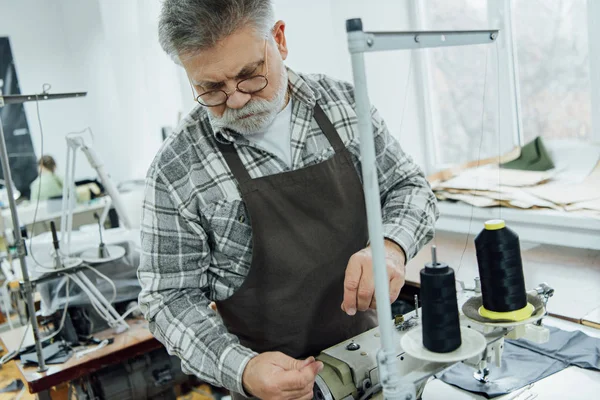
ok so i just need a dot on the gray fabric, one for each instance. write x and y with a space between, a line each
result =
576 348
525 362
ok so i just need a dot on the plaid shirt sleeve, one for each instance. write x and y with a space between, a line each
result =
409 207
174 259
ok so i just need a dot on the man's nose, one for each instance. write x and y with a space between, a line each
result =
238 99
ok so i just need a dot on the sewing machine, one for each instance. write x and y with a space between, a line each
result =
351 369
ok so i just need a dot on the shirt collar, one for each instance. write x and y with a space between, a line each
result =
299 89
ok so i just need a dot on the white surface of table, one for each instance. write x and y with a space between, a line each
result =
47 210
570 383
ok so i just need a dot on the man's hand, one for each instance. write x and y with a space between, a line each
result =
274 375
359 284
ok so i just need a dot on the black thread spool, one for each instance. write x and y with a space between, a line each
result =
439 308
500 268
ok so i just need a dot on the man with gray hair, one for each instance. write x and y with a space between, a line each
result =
255 203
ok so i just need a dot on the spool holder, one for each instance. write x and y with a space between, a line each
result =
500 330
359 43
19 241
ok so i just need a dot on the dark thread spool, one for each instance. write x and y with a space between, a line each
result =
500 268
441 327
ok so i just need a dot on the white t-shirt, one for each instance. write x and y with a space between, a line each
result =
277 138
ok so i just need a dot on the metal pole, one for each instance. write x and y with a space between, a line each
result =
65 196
72 199
109 186
21 250
388 368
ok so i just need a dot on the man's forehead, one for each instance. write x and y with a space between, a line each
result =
224 60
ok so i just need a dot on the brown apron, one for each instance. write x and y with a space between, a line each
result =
306 224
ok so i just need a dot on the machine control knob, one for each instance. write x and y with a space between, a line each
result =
353 346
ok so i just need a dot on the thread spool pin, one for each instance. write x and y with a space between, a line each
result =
416 306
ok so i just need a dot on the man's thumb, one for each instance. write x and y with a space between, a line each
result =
289 363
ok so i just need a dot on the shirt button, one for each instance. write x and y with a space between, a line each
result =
242 219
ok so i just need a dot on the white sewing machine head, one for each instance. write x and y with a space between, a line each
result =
351 370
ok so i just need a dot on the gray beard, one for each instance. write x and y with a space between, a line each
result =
263 112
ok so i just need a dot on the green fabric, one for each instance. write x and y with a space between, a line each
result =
534 157
51 186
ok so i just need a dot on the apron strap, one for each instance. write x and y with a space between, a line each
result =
328 129
237 167
234 162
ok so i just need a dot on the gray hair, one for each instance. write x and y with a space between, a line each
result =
191 25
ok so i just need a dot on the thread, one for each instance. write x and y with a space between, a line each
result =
500 268
441 327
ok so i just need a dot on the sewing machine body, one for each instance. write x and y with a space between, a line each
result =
351 371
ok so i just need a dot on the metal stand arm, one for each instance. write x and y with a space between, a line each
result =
21 250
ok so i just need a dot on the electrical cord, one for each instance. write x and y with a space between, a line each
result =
64 316
96 304
21 393
107 279
61 326
371 391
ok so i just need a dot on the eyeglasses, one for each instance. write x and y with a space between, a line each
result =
254 84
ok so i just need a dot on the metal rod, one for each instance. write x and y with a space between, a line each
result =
387 358
21 250
24 98
384 41
103 301
109 186
65 196
434 255
72 199
417 306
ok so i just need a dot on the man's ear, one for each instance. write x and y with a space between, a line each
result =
279 35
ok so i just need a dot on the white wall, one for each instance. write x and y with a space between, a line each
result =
110 49
316 34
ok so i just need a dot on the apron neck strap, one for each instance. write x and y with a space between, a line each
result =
234 162
237 167
328 129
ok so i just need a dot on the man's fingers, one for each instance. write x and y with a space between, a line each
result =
315 367
306 362
308 396
351 283
396 282
288 363
297 380
366 288
301 393
373 305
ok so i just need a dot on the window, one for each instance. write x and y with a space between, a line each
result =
537 77
551 39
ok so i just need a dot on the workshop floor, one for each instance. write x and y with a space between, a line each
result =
8 373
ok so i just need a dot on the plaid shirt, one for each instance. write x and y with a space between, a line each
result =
196 232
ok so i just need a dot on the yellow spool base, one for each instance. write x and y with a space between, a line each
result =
494 224
515 316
